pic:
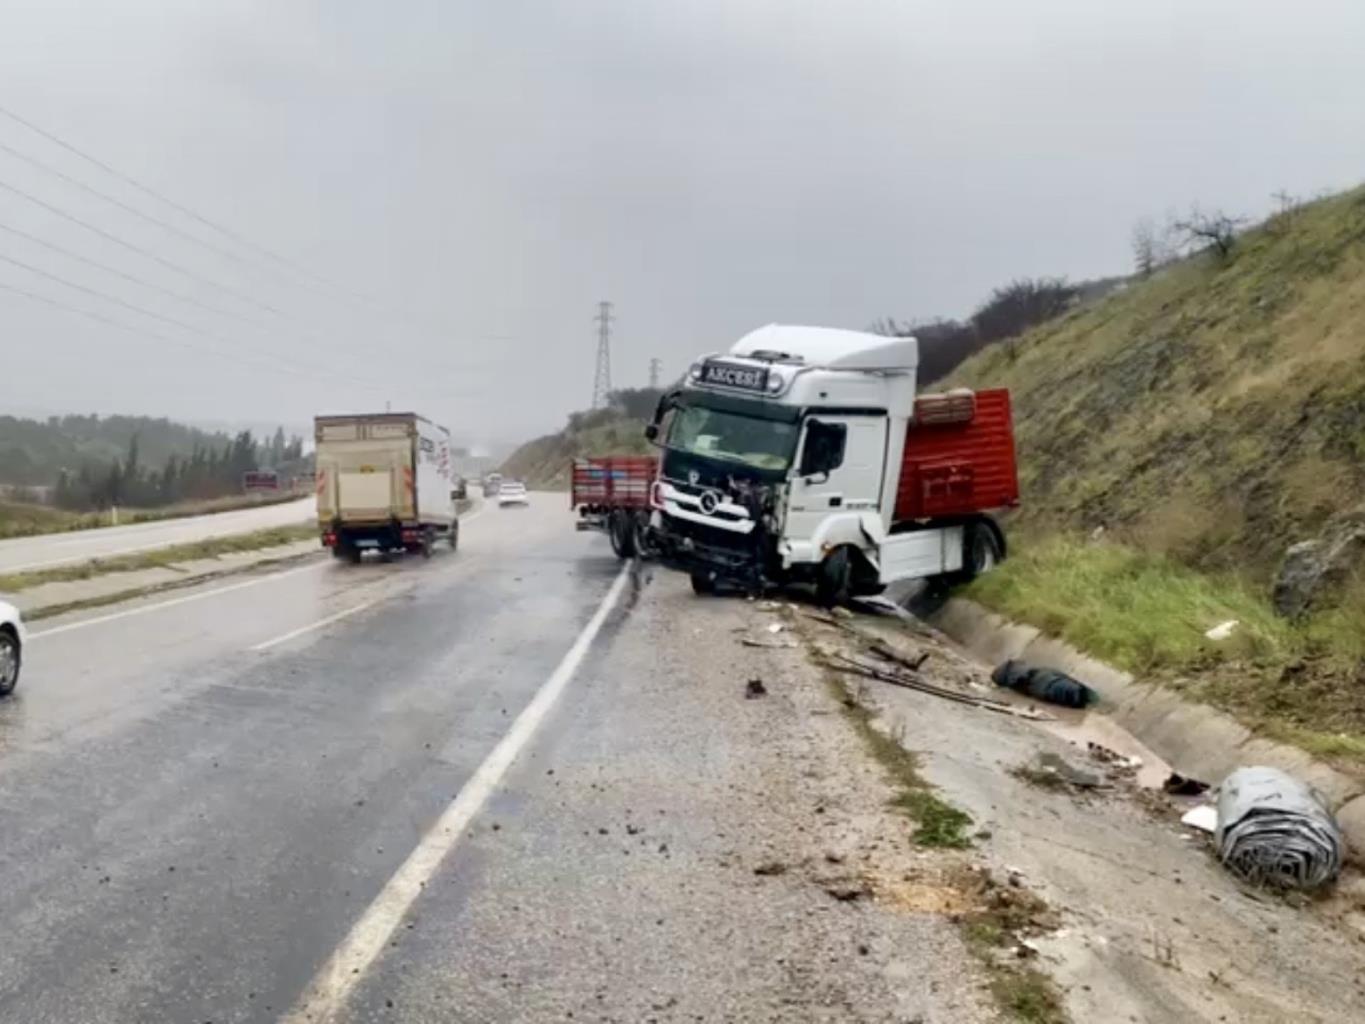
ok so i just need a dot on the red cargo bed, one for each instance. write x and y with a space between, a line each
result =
959 456
613 481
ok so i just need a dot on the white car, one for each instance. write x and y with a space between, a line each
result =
513 493
11 647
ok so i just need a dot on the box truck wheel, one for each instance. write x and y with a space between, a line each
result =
428 541
835 577
454 535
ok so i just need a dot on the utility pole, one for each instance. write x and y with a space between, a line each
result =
601 382
654 365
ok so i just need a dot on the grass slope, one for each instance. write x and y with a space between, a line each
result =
1213 412
544 463
1207 417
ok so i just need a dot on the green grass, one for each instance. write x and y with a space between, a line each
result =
1301 683
937 823
161 558
20 519
1139 611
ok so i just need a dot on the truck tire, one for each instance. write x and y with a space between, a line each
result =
833 583
622 533
454 535
428 542
10 661
981 552
644 541
703 583
353 554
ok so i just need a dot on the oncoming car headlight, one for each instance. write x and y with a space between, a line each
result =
776 382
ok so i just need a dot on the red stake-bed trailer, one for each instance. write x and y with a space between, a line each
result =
611 493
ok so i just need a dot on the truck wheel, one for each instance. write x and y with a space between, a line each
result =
644 542
832 584
703 583
353 554
622 534
428 542
981 554
454 535
10 661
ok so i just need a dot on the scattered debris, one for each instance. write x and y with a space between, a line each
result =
1274 830
1204 817
771 867
1116 762
1180 785
775 627
882 650
915 682
846 890
1053 771
1045 684
1223 630
754 688
778 645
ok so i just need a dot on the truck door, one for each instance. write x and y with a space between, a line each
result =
839 469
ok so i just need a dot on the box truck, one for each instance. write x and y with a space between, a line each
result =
385 483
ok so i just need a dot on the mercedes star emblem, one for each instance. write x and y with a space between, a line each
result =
709 500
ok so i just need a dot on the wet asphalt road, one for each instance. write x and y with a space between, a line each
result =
188 826
22 554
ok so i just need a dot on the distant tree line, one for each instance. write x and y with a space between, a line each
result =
209 471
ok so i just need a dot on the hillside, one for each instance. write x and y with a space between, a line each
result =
1207 418
1214 411
34 452
544 463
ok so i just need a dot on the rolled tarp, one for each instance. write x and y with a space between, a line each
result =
1274 830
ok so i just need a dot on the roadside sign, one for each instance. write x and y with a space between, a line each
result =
261 480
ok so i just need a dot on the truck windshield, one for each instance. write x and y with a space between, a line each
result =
763 444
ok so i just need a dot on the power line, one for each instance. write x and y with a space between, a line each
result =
140 332
179 296
115 201
145 253
200 218
173 321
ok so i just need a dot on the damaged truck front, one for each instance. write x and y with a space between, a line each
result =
804 455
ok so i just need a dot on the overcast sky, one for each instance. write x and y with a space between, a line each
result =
454 185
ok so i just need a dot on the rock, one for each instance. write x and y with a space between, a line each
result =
1312 566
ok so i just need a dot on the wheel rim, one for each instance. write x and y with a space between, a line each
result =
985 558
9 663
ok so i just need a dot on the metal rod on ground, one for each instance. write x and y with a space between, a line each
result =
858 668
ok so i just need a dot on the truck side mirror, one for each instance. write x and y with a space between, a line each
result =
651 431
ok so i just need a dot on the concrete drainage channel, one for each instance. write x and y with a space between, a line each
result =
1195 739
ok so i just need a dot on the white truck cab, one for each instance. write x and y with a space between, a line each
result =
805 454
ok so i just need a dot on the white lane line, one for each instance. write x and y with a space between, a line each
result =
327 993
143 609
315 625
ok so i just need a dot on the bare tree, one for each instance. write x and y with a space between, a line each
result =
1216 231
1146 242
